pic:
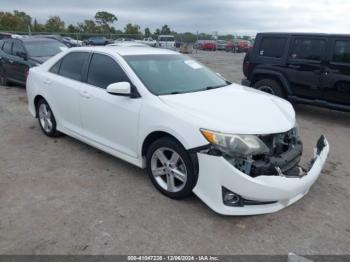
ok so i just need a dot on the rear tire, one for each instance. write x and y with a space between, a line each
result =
47 119
170 168
270 86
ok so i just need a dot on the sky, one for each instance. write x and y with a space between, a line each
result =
208 16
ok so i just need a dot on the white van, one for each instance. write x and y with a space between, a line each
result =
166 41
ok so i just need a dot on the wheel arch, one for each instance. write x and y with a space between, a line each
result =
277 76
36 101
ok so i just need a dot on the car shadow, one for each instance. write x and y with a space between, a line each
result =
323 115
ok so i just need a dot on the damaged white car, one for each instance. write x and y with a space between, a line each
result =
236 148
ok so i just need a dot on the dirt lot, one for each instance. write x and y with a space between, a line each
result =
60 196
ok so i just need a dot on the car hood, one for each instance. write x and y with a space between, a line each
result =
234 109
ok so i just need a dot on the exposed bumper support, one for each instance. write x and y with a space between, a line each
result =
215 172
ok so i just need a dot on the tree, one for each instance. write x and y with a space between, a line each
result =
54 24
89 26
131 29
72 29
105 20
165 30
147 32
157 32
16 21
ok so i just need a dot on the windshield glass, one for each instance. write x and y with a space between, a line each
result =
44 48
166 39
173 74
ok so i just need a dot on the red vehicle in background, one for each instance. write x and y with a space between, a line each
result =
238 46
209 45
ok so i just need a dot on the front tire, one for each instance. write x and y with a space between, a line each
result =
3 79
47 119
170 168
270 86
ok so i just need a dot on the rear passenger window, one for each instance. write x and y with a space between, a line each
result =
104 71
56 67
72 65
272 46
7 47
308 49
341 52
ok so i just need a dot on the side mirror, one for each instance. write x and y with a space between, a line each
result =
120 88
22 55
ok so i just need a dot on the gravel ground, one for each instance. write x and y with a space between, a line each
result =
60 196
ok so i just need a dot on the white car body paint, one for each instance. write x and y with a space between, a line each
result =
93 116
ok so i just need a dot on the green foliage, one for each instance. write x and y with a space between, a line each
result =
131 29
105 20
16 21
54 24
147 32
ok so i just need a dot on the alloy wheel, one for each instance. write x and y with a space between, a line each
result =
45 117
168 169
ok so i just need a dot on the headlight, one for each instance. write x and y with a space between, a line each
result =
236 145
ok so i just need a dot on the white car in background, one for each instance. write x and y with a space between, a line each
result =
166 41
128 44
149 41
236 148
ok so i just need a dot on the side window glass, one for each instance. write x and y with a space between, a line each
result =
56 67
72 65
341 52
17 48
272 46
104 71
308 49
7 47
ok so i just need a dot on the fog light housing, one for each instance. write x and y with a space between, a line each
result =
231 199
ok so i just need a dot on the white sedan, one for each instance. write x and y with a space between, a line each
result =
236 148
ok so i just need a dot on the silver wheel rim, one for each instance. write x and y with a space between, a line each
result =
45 117
267 89
168 169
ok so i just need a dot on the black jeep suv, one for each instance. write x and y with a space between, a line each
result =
306 68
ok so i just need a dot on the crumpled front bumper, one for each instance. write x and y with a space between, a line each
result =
216 172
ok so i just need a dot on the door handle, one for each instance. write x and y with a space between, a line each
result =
47 81
85 94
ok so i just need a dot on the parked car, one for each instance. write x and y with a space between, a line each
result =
166 41
149 41
221 44
128 44
305 68
64 40
18 55
98 40
236 148
4 35
209 45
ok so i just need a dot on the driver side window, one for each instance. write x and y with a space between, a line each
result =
17 48
104 71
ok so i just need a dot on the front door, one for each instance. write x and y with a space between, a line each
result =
19 65
305 64
110 120
335 79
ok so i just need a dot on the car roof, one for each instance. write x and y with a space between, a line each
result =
304 34
126 51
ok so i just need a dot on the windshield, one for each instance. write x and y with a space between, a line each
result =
44 48
173 74
166 39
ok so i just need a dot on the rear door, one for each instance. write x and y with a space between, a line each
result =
63 83
304 65
335 79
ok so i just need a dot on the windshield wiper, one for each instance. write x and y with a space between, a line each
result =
214 87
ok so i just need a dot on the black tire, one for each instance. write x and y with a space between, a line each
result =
3 79
192 174
52 132
270 86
